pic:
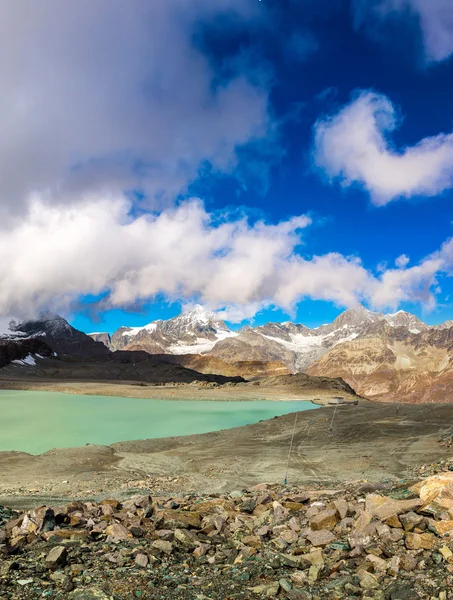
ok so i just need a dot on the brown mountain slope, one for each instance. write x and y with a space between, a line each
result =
304 382
251 346
394 366
209 364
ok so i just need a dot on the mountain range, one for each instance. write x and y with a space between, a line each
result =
394 357
390 357
50 348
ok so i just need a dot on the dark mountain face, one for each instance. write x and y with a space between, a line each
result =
61 337
78 356
11 350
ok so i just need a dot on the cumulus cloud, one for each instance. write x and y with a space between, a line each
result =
435 19
183 253
354 147
98 98
110 95
402 261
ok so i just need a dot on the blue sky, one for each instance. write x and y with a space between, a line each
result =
263 111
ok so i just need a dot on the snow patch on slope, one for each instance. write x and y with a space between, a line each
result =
133 331
28 361
202 345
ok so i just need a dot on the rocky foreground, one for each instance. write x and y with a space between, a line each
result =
363 542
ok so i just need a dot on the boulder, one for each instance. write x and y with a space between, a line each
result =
176 519
163 546
420 541
56 558
382 507
438 488
142 560
321 537
118 532
326 519
186 538
441 527
410 520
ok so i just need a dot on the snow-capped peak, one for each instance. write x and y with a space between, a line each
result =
199 314
405 319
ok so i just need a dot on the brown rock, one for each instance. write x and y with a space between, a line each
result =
212 523
382 507
342 508
66 534
10 525
408 562
446 553
252 540
315 557
172 519
212 505
186 538
56 557
201 550
420 541
321 537
379 563
438 488
118 532
362 522
293 506
393 521
410 520
326 519
113 503
17 542
442 527
163 546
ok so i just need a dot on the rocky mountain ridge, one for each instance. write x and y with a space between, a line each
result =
50 347
383 356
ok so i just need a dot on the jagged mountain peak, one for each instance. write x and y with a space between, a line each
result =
45 324
405 319
354 317
199 314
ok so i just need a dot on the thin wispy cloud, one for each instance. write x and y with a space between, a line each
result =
434 19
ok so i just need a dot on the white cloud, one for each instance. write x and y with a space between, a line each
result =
402 261
59 252
435 19
354 147
111 95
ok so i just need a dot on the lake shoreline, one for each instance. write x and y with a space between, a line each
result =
369 442
62 420
130 389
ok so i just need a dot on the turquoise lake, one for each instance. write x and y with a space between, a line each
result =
35 422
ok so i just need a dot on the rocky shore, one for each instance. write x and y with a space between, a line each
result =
371 541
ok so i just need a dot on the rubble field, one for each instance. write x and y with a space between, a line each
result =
371 541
